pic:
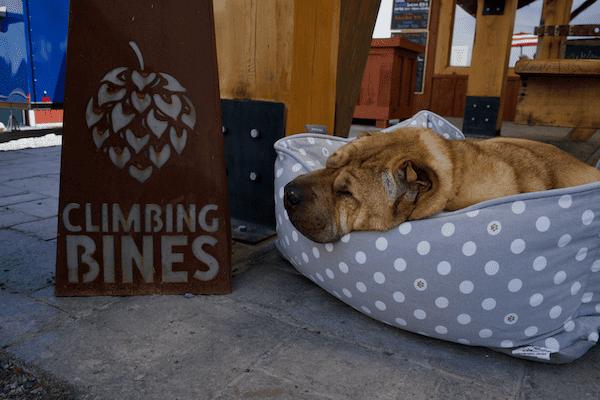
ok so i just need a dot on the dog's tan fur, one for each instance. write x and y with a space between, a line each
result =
380 179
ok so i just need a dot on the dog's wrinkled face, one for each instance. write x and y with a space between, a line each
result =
365 186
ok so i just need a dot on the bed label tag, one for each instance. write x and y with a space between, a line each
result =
543 353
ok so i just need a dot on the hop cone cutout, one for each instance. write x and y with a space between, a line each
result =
140 118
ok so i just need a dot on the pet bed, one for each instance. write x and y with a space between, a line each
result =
518 274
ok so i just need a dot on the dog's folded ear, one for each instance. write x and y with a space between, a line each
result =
412 179
417 176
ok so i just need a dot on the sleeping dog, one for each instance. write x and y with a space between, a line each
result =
380 180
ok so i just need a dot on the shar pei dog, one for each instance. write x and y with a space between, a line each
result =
380 180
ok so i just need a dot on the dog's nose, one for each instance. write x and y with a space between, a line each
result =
292 195
296 194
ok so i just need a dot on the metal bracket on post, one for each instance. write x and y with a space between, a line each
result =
250 129
481 115
493 7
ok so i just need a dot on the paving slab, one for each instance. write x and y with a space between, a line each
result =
47 184
10 218
45 229
27 264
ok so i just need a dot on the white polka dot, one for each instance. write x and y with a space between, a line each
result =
286 215
347 293
400 264
494 228
540 263
399 297
361 287
281 192
506 344
442 330
552 343
400 322
518 207
587 217
555 312
569 326
536 300
329 247
593 337
329 273
365 309
325 152
469 249
531 331
597 308
343 267
466 287
515 285
329 142
279 172
575 288
444 268
511 319
287 240
420 314
405 228
423 248
565 201
517 246
596 266
448 229
320 277
564 240
379 277
560 277
441 302
380 305
473 214
295 236
311 140
420 284
345 238
485 333
464 319
381 244
315 252
581 254
488 304
492 268
543 224
336 294
360 257
297 167
463 341
305 257
587 297
311 163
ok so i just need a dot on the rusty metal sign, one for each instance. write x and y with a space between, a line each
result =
143 197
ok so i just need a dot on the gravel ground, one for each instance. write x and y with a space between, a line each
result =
22 383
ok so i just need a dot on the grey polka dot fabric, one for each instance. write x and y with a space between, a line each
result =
518 274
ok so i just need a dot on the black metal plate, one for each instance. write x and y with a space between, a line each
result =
493 7
481 115
252 200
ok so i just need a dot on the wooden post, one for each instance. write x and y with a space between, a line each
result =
554 12
489 68
308 54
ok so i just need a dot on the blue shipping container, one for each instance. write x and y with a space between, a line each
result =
33 46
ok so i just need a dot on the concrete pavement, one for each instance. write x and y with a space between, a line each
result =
277 336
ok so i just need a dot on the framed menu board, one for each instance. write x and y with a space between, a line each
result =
410 14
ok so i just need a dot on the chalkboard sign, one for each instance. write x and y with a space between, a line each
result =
421 38
410 14
590 50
